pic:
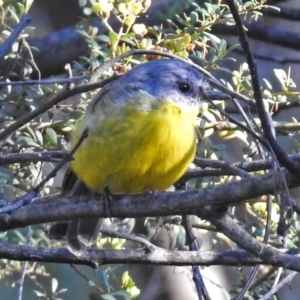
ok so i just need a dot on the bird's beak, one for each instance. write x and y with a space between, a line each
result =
216 95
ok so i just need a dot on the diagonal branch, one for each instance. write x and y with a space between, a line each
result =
264 116
231 229
24 22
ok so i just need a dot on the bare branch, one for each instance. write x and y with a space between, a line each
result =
264 116
279 126
51 156
44 81
284 12
31 194
122 235
57 207
87 87
94 258
24 22
49 104
191 241
209 167
282 283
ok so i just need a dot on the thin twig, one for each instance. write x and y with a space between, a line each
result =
250 125
232 230
3 199
20 282
31 61
191 240
241 125
126 236
264 116
24 22
233 169
43 81
49 104
70 75
25 200
282 283
263 278
86 278
261 153
87 87
50 156
279 126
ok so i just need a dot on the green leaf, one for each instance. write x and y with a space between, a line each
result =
223 47
47 90
61 291
87 11
106 297
203 12
82 3
172 23
128 41
194 18
281 76
181 238
231 48
54 285
39 137
248 4
126 279
268 84
103 38
31 132
28 141
21 8
113 37
51 136
39 294
121 295
209 8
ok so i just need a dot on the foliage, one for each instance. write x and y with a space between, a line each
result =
188 35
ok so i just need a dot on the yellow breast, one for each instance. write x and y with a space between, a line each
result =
144 150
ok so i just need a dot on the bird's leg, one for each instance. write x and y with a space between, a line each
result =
107 200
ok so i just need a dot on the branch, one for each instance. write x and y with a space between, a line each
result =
24 22
281 284
264 116
129 237
71 45
44 81
49 104
58 207
209 167
232 230
263 32
94 258
279 126
51 156
32 193
87 87
284 12
191 241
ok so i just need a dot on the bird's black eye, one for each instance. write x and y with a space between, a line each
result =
184 87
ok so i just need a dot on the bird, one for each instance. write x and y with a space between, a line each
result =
141 137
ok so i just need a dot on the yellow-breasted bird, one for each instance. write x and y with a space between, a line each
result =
141 137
